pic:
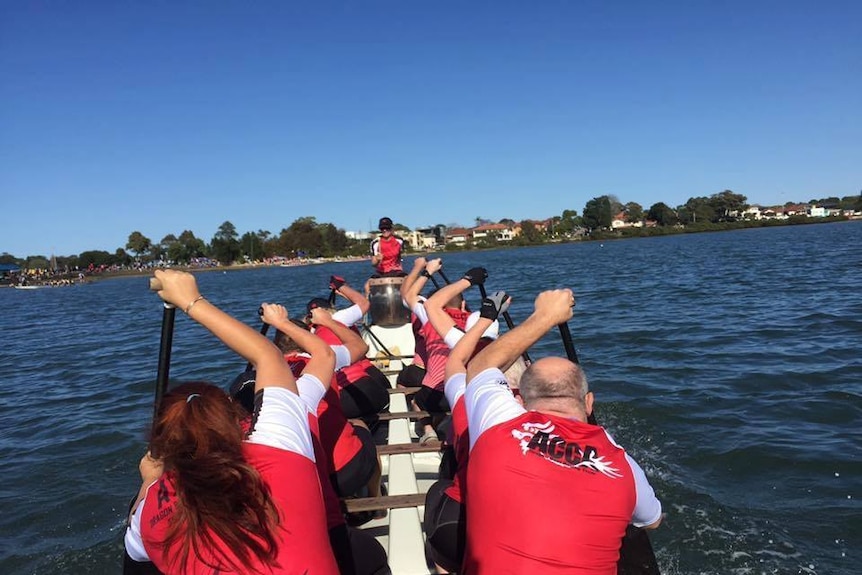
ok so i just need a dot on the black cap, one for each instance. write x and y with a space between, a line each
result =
385 224
318 302
242 389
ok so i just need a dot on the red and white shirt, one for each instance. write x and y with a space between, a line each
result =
337 435
390 249
436 346
280 448
547 494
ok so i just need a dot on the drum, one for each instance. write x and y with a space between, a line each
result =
387 309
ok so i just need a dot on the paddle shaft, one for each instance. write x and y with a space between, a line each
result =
264 327
164 368
509 323
636 553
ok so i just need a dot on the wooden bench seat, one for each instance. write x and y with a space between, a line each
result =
388 502
399 448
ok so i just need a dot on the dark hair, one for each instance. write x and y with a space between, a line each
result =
284 342
221 497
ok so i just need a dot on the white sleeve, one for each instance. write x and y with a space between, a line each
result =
348 316
282 422
133 539
452 337
454 388
311 391
419 310
342 356
489 401
648 507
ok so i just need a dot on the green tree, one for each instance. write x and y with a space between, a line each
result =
122 258
139 244
662 214
597 213
7 258
530 234
334 240
698 211
225 244
569 222
251 246
634 212
726 203
95 257
302 237
186 248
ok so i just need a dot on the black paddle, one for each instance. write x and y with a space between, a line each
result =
164 368
636 553
509 323
130 566
264 327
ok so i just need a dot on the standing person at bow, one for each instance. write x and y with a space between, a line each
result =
570 490
213 501
386 251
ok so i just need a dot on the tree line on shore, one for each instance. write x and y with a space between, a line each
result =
306 237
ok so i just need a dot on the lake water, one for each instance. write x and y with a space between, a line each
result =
729 365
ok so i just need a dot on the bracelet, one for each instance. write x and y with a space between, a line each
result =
425 274
193 302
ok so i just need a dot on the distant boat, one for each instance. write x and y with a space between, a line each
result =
29 287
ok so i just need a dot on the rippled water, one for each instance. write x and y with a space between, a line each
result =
728 364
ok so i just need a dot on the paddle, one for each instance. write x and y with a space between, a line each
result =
166 342
130 566
264 327
636 553
509 323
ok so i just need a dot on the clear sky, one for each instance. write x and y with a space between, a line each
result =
163 116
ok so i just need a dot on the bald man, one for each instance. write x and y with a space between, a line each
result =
546 491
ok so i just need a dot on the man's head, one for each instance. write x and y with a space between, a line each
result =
558 385
285 343
317 302
385 226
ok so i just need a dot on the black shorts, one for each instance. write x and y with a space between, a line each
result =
365 397
354 476
411 376
445 527
431 400
357 552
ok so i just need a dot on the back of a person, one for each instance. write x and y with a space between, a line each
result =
546 495
295 489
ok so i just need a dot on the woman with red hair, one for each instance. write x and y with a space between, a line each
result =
214 499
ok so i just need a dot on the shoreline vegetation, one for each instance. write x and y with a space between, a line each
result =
60 278
306 241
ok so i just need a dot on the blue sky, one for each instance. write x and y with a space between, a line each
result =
164 116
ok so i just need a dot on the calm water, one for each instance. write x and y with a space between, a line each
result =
728 364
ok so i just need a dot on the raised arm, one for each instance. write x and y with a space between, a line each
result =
441 320
181 289
339 285
412 285
551 308
322 362
492 306
351 340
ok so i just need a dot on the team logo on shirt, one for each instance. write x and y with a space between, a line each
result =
540 439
